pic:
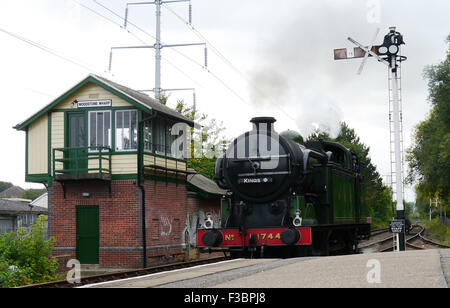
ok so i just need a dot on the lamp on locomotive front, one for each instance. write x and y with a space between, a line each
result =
297 221
209 223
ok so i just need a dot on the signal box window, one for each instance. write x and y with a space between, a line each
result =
99 129
126 130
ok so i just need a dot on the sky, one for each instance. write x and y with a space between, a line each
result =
271 58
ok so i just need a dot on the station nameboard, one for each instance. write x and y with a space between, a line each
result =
397 226
94 103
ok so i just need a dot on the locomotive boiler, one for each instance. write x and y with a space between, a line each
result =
286 199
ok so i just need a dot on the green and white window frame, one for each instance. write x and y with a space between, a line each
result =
99 128
118 130
126 130
158 138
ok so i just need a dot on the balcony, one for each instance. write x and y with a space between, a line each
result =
82 163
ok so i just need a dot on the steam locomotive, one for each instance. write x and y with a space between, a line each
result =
285 199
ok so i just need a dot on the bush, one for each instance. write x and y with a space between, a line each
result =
25 258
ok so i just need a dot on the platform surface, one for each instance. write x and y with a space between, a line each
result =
410 269
178 276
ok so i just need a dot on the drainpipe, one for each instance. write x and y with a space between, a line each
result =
140 182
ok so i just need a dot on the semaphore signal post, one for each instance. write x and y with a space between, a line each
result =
388 53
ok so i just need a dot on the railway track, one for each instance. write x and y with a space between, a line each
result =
421 242
383 241
125 274
375 232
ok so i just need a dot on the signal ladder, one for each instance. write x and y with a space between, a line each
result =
393 177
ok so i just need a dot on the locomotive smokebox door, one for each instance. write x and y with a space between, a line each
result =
258 165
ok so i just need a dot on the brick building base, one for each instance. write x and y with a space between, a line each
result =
171 220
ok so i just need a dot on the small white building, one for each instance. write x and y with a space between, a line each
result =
41 201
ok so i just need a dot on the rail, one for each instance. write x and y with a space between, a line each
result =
124 274
386 243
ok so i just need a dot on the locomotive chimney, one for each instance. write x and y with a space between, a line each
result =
263 123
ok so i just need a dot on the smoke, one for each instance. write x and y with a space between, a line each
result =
319 113
268 86
299 72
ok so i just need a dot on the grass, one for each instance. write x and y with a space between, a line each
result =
437 231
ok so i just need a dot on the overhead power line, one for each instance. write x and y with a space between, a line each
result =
137 37
229 88
109 19
21 86
201 36
49 50
225 60
123 19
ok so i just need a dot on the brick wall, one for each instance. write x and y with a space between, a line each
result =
167 207
120 237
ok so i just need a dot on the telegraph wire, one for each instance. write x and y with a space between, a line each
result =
202 37
144 42
221 81
97 13
93 70
182 72
128 21
48 50
174 50
141 40
216 52
109 19
28 89
224 59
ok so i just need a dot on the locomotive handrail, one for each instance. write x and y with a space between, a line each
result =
264 173
258 158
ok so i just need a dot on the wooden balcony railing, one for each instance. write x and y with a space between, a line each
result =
82 163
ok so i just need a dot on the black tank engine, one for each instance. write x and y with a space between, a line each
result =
286 199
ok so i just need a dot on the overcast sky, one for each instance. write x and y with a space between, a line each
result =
265 57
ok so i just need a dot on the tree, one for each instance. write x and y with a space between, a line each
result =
32 193
293 135
207 144
5 185
25 258
429 156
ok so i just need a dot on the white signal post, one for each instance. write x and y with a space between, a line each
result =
389 49
398 158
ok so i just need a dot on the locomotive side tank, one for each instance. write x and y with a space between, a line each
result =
286 199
